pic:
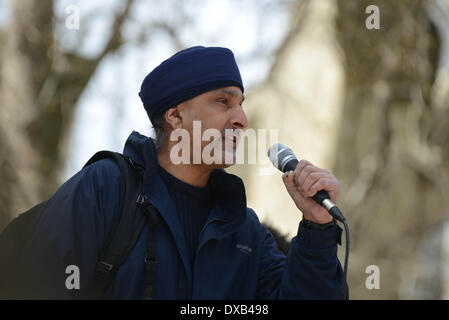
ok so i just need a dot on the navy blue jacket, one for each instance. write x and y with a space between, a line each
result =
237 257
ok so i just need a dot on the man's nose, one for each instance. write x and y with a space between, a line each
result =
239 119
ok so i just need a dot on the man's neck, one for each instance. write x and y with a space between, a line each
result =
195 175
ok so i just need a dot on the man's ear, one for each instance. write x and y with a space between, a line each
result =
173 117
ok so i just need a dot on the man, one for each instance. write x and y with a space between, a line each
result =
209 245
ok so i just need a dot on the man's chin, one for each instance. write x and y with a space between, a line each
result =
225 162
224 166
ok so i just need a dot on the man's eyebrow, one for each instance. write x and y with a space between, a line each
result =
232 93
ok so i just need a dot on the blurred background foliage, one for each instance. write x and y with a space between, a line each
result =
370 105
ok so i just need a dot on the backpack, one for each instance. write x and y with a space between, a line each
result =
119 242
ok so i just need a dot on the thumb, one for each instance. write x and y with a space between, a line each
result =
293 189
287 178
289 181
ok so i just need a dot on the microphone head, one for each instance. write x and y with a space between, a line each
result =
279 155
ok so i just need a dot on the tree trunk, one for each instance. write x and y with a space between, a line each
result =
393 156
25 163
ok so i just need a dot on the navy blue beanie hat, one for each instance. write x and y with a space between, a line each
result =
186 74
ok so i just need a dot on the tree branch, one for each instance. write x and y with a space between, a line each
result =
116 39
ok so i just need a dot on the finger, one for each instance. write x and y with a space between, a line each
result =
290 178
289 181
300 169
300 166
285 176
330 185
302 175
311 179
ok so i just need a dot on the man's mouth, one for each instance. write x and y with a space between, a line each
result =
230 140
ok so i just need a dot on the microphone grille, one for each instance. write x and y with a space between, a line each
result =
278 153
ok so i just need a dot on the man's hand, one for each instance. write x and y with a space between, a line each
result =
305 182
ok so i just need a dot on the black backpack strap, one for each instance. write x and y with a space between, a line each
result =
150 252
128 225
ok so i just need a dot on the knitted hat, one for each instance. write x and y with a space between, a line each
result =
186 74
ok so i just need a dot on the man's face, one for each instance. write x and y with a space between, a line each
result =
221 110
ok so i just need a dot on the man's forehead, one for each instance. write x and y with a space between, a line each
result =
232 91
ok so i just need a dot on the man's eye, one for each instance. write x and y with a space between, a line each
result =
222 100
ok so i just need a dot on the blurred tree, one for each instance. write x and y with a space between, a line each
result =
40 85
392 158
393 155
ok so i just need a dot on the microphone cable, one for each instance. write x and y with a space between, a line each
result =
336 213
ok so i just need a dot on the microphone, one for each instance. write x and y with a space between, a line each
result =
283 158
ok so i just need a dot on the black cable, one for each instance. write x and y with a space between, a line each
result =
345 270
336 213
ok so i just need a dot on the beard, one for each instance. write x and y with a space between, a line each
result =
223 150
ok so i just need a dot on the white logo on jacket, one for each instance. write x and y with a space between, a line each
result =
244 249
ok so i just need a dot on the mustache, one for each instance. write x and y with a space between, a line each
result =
234 132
